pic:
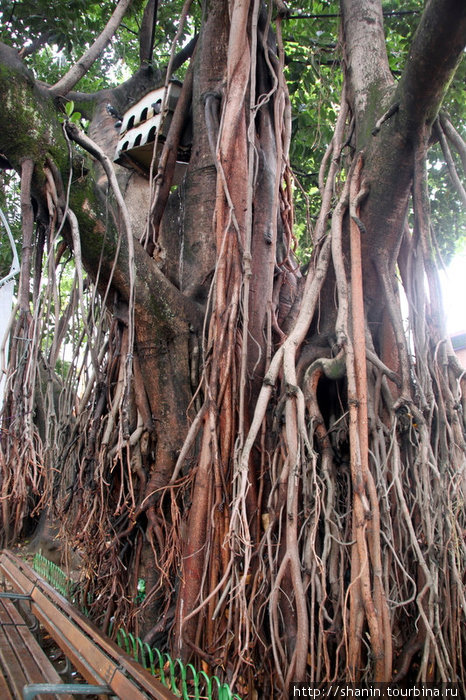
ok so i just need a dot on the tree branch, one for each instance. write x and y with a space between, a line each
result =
35 45
335 15
147 33
185 53
455 138
436 50
450 162
74 75
365 51
137 84
157 299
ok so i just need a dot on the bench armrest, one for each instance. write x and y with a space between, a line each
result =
33 689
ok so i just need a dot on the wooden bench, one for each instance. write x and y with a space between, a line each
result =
23 661
28 673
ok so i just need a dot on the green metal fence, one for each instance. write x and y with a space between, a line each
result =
53 574
182 679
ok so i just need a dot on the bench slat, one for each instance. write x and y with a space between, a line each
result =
15 574
21 656
44 665
5 692
77 647
25 661
9 660
80 650
9 615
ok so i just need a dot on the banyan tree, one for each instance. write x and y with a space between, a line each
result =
273 443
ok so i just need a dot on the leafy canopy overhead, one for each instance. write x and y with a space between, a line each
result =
53 35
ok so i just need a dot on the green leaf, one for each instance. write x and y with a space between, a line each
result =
76 118
69 108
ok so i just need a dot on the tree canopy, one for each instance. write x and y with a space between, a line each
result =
52 37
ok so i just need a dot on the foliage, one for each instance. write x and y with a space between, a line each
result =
63 30
313 72
9 203
447 210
